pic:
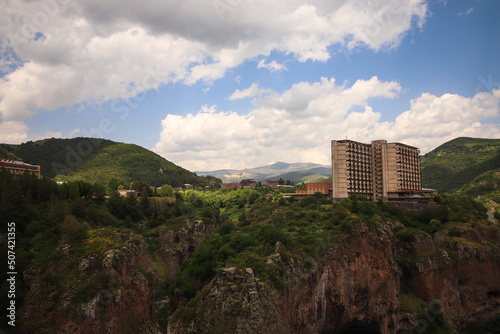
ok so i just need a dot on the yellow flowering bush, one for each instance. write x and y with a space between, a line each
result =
98 244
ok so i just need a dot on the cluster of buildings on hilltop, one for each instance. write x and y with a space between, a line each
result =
247 183
17 167
250 183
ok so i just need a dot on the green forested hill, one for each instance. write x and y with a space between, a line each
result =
463 165
96 160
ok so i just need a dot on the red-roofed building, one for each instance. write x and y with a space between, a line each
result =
17 167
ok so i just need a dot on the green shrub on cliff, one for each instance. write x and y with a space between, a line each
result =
90 286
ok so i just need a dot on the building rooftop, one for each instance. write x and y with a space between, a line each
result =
16 163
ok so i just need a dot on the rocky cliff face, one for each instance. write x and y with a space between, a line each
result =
97 293
369 283
356 288
177 246
108 284
462 272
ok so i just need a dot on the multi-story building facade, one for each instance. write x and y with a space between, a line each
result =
319 187
352 169
380 170
18 167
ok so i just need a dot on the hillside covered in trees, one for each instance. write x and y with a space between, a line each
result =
456 163
465 166
97 160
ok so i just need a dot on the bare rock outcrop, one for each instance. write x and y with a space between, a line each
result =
358 287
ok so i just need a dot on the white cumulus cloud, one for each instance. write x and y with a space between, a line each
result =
273 66
298 124
251 91
66 52
12 132
295 125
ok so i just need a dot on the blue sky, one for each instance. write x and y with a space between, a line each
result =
240 83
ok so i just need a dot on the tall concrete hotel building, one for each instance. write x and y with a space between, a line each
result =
380 170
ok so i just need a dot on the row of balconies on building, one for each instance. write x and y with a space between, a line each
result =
357 158
408 160
407 176
364 187
350 158
407 150
409 185
408 180
415 168
404 172
359 176
358 147
358 167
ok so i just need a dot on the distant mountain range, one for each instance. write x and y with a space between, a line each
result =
295 172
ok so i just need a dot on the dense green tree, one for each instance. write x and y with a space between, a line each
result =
132 207
252 196
70 190
73 230
113 184
142 188
117 206
99 192
144 202
79 207
166 191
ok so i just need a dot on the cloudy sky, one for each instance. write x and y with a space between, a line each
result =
244 83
